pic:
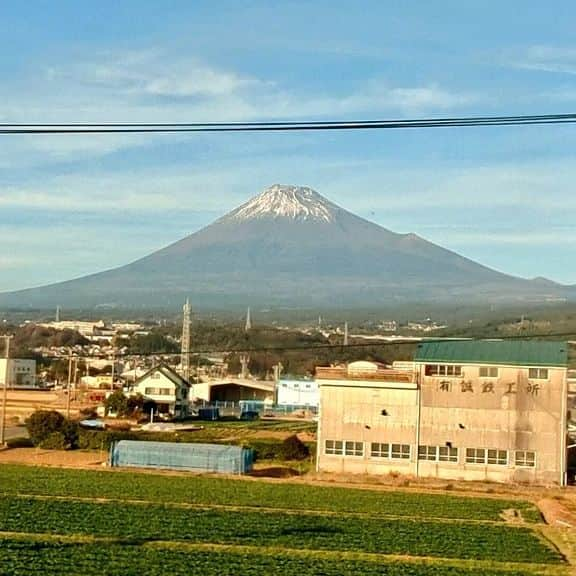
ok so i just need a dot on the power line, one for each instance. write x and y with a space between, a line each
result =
8 129
328 346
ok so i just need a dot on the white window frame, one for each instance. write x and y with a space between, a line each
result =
521 460
538 374
489 371
380 450
448 454
353 448
428 453
399 452
445 370
497 457
438 453
476 455
334 447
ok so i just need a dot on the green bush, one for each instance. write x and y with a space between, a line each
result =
42 423
294 449
102 439
55 441
49 429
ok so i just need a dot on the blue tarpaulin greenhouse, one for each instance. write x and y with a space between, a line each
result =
181 456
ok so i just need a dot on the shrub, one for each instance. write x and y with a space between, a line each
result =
102 439
55 441
49 429
294 449
42 423
70 430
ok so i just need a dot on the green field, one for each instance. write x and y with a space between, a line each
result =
124 485
28 557
56 521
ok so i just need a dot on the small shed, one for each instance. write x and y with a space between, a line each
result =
182 456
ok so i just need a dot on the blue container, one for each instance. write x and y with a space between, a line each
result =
208 413
182 456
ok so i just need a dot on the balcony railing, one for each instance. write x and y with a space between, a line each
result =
333 373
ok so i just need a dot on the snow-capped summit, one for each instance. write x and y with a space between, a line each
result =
285 201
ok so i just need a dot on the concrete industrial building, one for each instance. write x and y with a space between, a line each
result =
471 410
21 374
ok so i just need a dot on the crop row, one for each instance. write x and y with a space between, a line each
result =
202 490
142 522
25 557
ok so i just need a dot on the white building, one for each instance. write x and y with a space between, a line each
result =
167 389
85 328
22 372
294 392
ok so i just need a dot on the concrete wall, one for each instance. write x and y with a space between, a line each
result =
510 412
353 411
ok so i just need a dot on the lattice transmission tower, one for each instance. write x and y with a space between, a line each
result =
185 349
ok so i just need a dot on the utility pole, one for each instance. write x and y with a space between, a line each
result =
113 365
7 339
68 390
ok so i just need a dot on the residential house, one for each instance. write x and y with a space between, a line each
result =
167 389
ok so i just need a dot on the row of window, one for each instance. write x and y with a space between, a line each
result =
296 385
158 391
377 450
484 371
391 451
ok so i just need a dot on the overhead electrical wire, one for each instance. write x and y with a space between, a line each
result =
7 129
329 346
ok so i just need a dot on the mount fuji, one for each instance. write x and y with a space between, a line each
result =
290 246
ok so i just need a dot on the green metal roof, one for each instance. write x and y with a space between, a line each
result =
515 353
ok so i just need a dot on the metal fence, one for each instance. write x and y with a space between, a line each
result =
228 408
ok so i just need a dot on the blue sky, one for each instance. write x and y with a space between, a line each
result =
74 205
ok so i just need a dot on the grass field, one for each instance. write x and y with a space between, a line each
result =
56 521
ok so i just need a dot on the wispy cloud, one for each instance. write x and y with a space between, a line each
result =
153 73
153 86
545 58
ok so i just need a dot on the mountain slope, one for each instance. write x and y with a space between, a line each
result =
290 246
